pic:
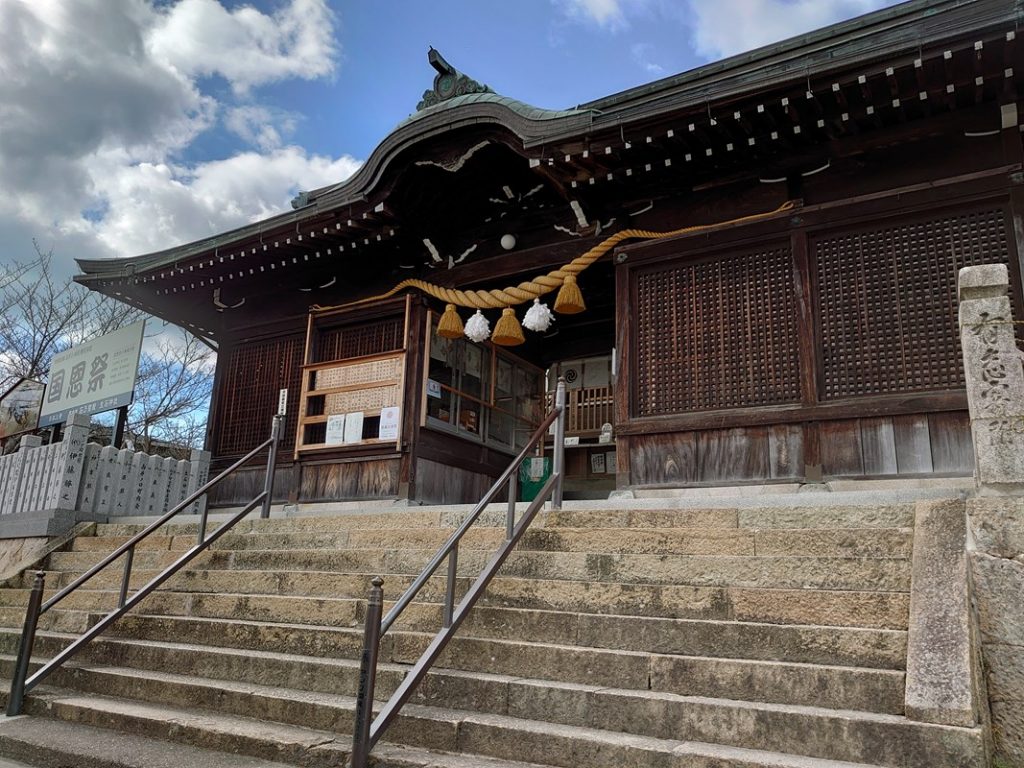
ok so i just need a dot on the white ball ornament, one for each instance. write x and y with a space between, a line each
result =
508 242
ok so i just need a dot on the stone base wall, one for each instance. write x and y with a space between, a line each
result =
996 528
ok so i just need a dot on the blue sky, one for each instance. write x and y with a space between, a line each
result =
134 125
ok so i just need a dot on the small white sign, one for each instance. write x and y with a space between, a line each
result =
536 468
335 430
597 463
282 402
570 441
433 388
353 427
609 462
389 421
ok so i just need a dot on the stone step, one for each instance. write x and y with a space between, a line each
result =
595 638
206 728
48 743
561 725
885 610
875 574
856 542
875 690
833 511
782 516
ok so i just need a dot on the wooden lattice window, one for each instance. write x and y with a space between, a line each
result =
343 342
887 301
255 373
718 334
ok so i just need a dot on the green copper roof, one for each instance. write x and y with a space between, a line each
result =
520 108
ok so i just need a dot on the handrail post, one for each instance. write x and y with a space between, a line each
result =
449 589
513 489
367 675
268 486
558 459
28 638
126 577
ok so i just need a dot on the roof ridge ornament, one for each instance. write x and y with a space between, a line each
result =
448 83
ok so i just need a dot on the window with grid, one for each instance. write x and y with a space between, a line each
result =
255 373
718 334
343 342
887 300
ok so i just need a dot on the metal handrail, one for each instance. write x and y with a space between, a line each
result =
21 684
367 730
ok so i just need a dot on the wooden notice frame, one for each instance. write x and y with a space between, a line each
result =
342 390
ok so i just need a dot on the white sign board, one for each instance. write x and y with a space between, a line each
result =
96 376
389 420
335 430
353 427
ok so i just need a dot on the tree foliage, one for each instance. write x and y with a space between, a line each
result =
42 314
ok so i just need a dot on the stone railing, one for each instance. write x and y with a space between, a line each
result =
46 489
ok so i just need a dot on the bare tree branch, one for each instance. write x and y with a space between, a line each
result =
42 315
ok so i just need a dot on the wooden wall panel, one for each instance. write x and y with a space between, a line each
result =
913 444
840 448
786 451
733 455
887 298
878 446
253 374
717 333
444 484
245 484
668 459
353 479
950 437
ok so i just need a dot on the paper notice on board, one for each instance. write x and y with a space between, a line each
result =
610 462
389 420
335 430
433 388
597 463
353 427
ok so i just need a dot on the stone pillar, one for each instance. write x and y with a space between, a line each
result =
995 380
995 518
11 497
72 461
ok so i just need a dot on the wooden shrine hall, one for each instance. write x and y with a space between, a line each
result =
777 304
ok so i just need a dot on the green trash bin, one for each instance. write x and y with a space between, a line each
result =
533 473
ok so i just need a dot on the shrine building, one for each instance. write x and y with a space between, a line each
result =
777 304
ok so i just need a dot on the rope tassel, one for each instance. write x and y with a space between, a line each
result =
507 331
450 324
569 300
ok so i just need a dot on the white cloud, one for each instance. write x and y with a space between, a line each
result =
153 205
612 15
260 126
725 27
100 101
245 46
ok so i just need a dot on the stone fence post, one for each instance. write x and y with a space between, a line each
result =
995 379
995 517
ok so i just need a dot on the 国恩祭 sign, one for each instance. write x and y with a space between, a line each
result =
95 376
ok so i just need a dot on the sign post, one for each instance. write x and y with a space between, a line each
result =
96 376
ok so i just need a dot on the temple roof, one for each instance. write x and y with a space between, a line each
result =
836 58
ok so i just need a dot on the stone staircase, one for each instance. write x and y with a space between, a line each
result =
664 634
